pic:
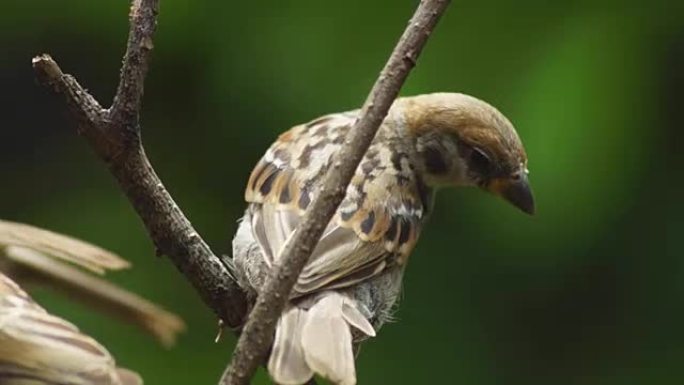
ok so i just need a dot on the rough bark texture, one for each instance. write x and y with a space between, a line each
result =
114 135
257 335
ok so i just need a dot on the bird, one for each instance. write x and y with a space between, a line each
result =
37 347
33 256
350 285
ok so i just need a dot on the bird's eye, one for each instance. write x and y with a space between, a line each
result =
479 162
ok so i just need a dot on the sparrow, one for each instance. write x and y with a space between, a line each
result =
350 284
34 256
37 347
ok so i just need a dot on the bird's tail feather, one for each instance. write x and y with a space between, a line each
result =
317 340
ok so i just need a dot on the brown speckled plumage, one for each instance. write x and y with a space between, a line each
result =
425 142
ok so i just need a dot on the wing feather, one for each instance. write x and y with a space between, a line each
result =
37 347
377 224
60 246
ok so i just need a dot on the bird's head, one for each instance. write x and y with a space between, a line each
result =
463 141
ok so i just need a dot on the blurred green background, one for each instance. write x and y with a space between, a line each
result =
589 291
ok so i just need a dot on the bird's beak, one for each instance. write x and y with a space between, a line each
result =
516 191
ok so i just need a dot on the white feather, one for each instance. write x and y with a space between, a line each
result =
327 341
286 364
354 317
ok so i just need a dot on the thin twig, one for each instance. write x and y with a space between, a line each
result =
257 334
114 134
128 98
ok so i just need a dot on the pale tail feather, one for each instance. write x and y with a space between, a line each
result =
286 364
318 340
354 317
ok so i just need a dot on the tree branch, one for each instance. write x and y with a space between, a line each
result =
126 105
257 335
114 134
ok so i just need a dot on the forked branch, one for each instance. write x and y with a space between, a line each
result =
114 134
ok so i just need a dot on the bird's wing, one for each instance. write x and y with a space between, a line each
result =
60 246
39 348
29 266
32 255
377 223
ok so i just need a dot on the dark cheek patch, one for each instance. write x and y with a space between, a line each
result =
435 162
